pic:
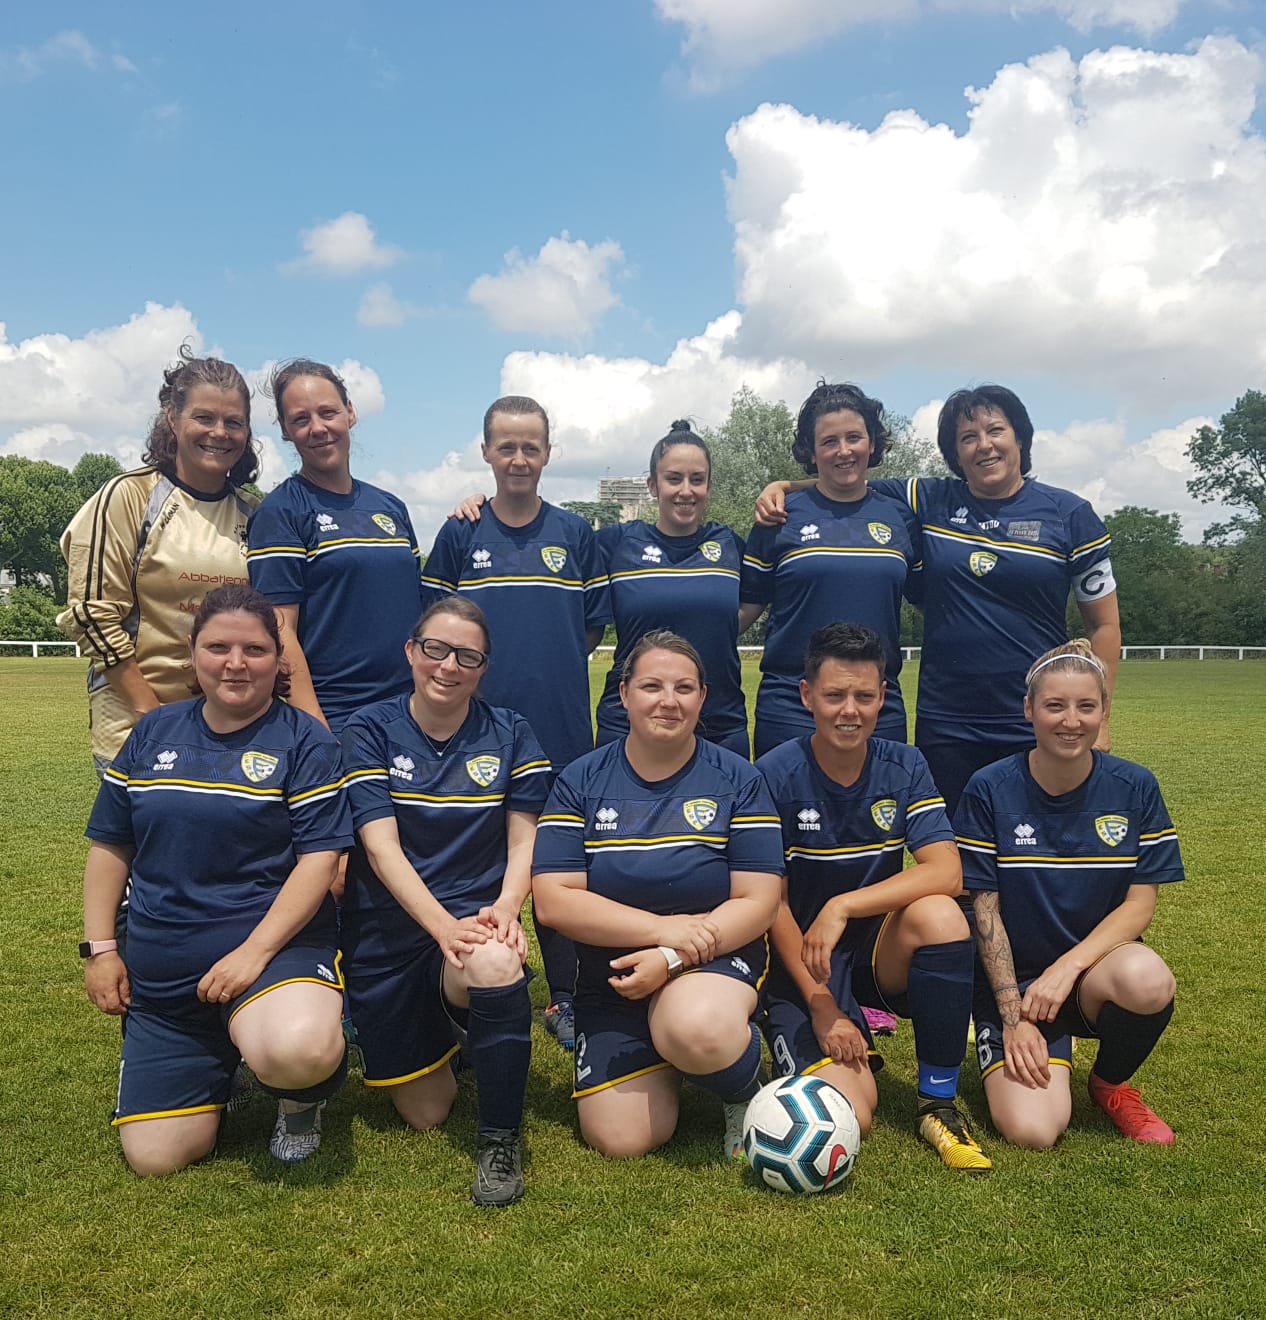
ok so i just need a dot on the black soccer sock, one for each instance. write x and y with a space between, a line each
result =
309 1095
741 1080
499 1047
938 993
1126 1039
558 954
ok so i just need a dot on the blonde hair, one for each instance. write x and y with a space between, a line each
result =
1072 658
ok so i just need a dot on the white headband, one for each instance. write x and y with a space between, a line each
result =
1092 660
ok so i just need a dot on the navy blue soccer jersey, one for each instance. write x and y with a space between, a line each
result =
450 812
542 587
350 563
1060 864
666 847
690 585
831 560
837 839
217 821
995 583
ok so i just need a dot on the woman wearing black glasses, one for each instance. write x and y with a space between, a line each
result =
445 793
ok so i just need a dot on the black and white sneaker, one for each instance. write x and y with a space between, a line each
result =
298 1131
499 1180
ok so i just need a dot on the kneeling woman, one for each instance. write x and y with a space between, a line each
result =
229 812
1065 848
445 793
660 855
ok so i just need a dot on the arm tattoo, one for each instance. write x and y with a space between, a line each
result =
995 955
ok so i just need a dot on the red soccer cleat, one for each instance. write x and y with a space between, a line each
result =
1124 1106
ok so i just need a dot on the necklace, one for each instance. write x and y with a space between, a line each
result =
438 746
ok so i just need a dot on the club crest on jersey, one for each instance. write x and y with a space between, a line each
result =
554 556
653 554
880 532
884 812
387 524
711 551
699 813
982 562
1112 829
483 769
258 766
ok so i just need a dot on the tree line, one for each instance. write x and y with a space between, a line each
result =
1171 592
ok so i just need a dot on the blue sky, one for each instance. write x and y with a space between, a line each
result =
631 209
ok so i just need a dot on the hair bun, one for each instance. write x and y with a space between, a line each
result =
681 424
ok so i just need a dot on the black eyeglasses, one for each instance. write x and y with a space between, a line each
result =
467 656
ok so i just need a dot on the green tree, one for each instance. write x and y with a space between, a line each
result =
1230 462
751 448
597 513
37 500
29 615
92 472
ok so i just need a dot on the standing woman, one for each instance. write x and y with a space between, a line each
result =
148 546
1065 848
335 555
445 794
681 574
230 815
660 855
844 553
1001 552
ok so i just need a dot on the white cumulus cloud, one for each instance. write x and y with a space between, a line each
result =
70 47
725 37
381 307
563 290
347 245
1098 220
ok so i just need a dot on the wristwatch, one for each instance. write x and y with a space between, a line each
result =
90 948
672 958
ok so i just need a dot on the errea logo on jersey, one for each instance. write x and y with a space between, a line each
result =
606 818
982 562
741 966
653 554
387 524
880 532
481 559
711 551
699 813
884 812
165 760
402 767
258 766
960 515
808 818
809 532
1112 829
1024 836
326 523
323 970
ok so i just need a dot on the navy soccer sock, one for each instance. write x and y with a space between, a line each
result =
938 992
741 1080
499 1048
558 955
1126 1039
309 1095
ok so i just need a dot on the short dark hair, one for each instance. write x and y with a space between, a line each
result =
680 433
173 395
241 596
850 643
661 640
460 606
978 398
284 374
516 405
838 398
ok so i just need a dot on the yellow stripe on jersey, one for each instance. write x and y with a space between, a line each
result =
674 572
448 800
263 551
756 820
1065 863
659 841
530 767
1027 548
987 844
323 547
1157 836
560 818
855 850
356 776
526 580
204 786
810 550
1090 545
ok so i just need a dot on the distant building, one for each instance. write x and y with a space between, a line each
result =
629 493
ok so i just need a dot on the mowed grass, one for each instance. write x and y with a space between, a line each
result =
379 1223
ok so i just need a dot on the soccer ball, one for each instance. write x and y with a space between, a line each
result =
801 1135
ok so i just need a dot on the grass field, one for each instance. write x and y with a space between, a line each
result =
379 1223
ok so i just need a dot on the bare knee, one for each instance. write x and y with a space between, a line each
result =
298 1055
151 1154
493 964
427 1105
625 1141
1029 1130
936 919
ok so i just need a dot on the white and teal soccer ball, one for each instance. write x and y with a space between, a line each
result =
801 1135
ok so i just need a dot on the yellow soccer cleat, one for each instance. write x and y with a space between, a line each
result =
943 1128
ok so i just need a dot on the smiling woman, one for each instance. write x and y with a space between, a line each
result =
144 551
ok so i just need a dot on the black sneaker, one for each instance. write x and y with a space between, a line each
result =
560 1022
500 1177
